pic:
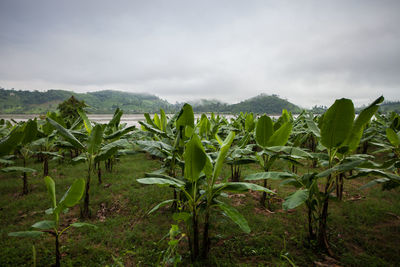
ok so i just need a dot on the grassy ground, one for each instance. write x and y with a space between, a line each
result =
364 229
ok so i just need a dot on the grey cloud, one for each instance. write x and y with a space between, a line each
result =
310 52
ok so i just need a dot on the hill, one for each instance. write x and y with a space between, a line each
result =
35 102
389 106
269 104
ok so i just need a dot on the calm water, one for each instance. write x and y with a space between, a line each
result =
129 119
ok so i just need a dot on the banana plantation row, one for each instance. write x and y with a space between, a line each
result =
333 146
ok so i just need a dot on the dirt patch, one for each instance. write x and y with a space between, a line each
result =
327 261
103 212
237 199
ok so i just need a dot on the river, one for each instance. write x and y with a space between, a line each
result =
129 119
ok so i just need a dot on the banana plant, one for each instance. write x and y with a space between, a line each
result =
340 135
45 146
20 138
54 227
168 143
94 152
114 131
267 135
389 171
242 150
201 189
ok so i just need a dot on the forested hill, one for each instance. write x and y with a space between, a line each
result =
389 106
269 104
35 102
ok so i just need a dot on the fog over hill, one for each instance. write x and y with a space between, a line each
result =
29 102
106 101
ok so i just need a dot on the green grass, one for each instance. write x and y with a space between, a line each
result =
363 231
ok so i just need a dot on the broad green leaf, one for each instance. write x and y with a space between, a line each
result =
26 234
17 169
80 159
114 122
157 121
358 127
195 158
43 225
375 182
95 139
163 120
249 123
76 124
185 117
312 126
66 134
6 161
120 133
270 176
361 172
30 132
110 149
337 123
159 205
57 118
51 189
219 140
296 199
73 194
150 121
280 136
393 137
150 128
81 224
290 150
238 187
86 121
222 155
264 130
160 181
12 140
235 216
341 168
285 117
204 125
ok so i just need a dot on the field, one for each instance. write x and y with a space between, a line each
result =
210 191
364 228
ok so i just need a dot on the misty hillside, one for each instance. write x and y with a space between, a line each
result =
264 104
35 102
106 101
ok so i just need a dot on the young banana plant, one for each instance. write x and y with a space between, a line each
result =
20 138
169 137
201 189
93 150
269 135
52 227
340 135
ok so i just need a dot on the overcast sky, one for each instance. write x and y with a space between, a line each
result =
309 52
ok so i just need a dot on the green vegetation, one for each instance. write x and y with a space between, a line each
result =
27 102
390 106
69 109
201 213
264 104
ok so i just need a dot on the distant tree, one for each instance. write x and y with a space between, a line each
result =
69 109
